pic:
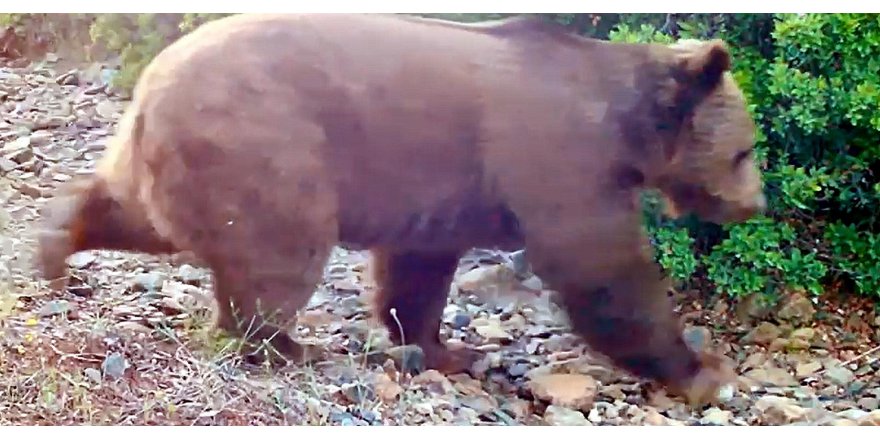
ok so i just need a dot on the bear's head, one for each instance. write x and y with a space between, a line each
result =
709 166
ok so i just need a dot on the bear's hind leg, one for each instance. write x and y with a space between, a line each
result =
84 215
416 285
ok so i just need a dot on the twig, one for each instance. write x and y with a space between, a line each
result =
843 364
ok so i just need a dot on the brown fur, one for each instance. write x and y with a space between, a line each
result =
259 142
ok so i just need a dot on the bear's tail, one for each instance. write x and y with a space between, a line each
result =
84 215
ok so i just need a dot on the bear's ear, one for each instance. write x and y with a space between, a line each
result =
701 65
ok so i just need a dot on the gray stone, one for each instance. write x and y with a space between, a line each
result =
763 334
148 282
797 310
716 416
561 416
190 275
869 403
92 374
852 414
55 307
840 376
80 260
114 365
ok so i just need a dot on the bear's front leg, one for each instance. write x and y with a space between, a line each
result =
617 300
630 318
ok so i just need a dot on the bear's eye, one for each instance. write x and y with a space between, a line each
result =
741 156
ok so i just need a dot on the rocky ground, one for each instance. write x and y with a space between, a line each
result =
128 341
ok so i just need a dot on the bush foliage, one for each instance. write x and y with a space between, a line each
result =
814 90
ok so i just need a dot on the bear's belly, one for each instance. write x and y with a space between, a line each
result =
447 229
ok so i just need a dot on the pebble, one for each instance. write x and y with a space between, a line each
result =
772 376
460 321
569 390
852 414
778 410
114 365
519 369
798 309
716 416
561 416
840 376
149 281
55 307
871 419
190 275
80 260
869 403
763 334
93 375
806 369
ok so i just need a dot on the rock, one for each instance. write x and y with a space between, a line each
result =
7 165
481 403
561 416
80 260
533 283
763 334
70 78
190 275
519 369
519 262
778 410
460 320
575 391
485 277
55 307
806 369
41 138
871 419
852 414
519 408
386 389
752 307
149 281
92 374
22 143
798 309
409 358
840 376
869 403
772 376
132 326
594 416
107 109
358 392
491 329
726 393
172 305
715 416
434 381
806 334
114 365
653 418
793 345
696 337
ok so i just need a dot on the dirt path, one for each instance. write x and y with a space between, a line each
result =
129 340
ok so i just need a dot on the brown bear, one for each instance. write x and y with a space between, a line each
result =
258 142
